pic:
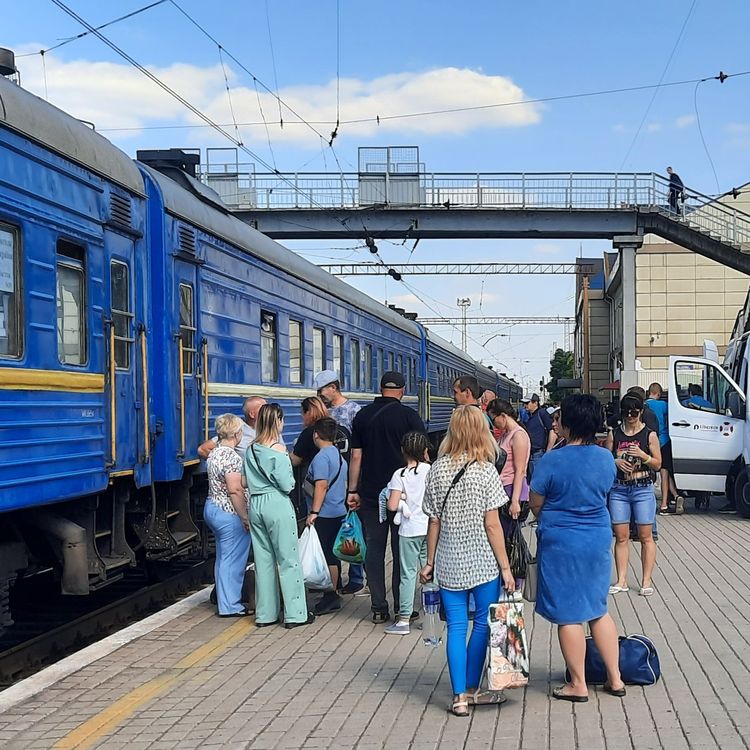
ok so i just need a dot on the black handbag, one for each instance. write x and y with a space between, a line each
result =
518 551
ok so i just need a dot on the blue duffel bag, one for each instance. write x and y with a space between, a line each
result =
639 662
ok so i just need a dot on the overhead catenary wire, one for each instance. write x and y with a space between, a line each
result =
98 28
195 110
273 65
658 85
700 131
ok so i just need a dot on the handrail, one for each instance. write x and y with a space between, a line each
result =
112 395
486 190
205 389
182 397
144 367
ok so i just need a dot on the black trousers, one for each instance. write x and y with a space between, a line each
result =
376 539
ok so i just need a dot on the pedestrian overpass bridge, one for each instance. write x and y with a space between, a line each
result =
431 205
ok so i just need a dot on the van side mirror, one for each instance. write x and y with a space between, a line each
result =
735 405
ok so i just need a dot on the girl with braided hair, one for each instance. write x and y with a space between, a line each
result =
406 491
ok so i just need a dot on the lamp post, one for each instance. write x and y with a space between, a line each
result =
464 303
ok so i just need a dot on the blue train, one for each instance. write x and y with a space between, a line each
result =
134 308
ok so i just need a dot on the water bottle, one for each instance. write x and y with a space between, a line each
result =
431 628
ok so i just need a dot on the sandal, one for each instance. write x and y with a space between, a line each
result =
558 694
618 589
487 697
618 693
646 591
460 708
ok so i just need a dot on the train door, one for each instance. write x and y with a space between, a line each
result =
125 376
187 396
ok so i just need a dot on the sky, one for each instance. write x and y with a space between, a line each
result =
403 57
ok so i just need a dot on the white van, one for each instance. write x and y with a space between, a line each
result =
708 426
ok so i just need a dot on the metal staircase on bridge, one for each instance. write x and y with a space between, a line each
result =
514 205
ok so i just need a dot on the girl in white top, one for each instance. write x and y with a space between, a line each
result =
406 492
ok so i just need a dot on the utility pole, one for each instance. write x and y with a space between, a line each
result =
464 303
585 323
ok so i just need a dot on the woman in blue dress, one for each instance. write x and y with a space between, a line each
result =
569 496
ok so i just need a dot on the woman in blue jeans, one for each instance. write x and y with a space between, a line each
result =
637 457
466 547
225 513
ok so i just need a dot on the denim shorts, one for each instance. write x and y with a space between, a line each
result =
635 501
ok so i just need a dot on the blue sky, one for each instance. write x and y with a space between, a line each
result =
416 56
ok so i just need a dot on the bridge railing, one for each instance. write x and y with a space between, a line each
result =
419 189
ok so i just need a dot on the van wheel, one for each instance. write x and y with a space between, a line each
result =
742 494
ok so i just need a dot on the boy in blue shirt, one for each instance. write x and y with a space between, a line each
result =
325 487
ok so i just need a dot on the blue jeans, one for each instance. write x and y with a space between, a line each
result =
465 663
232 549
356 574
533 458
632 502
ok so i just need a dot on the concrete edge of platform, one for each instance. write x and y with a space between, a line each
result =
33 685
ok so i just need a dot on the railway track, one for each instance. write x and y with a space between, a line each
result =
49 629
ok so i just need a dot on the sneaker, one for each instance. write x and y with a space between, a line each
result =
679 505
329 603
414 616
309 621
352 588
664 512
728 508
364 591
379 617
398 628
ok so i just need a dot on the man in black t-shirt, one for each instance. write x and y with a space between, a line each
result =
377 431
541 434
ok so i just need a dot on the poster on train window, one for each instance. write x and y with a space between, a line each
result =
7 275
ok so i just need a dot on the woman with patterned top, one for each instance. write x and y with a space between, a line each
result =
225 513
466 547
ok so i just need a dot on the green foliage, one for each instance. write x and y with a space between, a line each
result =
560 366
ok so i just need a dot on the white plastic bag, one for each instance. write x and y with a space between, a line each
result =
314 566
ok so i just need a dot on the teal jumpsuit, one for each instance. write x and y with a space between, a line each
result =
273 528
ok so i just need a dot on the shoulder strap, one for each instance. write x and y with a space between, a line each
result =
457 478
338 473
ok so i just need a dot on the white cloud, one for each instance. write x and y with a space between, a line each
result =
619 128
653 127
684 121
737 128
114 95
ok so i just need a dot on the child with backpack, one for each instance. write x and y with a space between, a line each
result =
406 492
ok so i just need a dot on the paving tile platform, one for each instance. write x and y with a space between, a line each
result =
198 681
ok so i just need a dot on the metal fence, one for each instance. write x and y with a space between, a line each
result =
557 191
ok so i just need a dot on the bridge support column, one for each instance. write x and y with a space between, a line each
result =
627 247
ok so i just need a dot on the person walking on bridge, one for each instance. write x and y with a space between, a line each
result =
676 191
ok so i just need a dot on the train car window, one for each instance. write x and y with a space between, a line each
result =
319 350
187 329
379 361
338 356
390 361
400 365
412 374
269 362
10 297
71 304
122 314
368 367
356 373
296 359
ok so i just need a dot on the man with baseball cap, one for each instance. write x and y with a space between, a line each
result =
343 410
539 427
377 432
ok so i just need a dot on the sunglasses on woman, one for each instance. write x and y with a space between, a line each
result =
630 412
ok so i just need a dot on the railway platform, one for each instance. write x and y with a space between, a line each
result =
187 679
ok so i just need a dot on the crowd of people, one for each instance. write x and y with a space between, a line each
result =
445 516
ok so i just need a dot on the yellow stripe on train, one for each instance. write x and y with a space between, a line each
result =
24 379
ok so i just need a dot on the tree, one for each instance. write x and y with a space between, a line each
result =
560 366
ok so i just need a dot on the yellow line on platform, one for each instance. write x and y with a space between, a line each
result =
92 731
